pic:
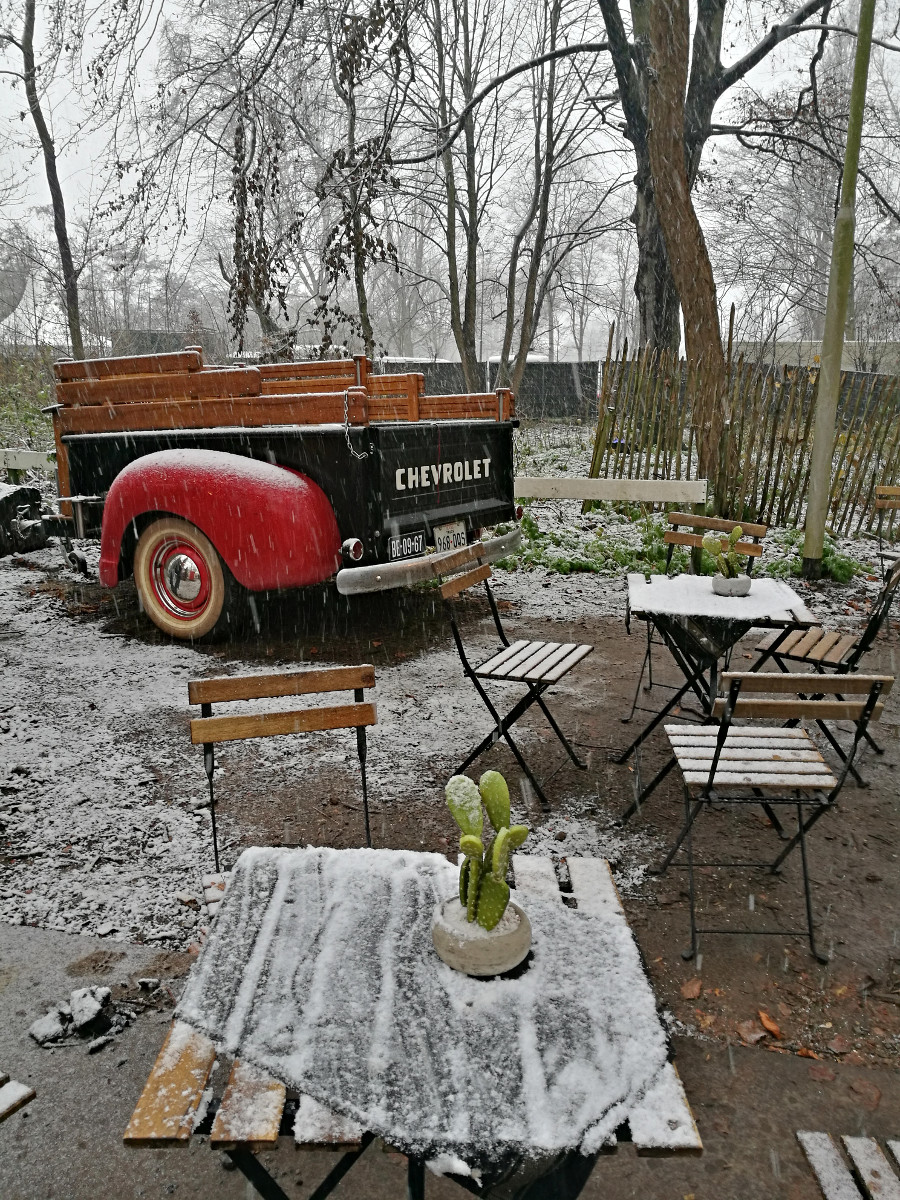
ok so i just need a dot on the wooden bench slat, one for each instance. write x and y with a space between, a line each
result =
503 654
873 1169
539 663
717 524
663 1121
641 491
291 683
468 579
165 1112
250 1113
563 667
307 720
13 1096
828 1167
317 1126
535 876
803 682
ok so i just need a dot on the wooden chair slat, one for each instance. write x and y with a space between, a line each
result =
291 683
761 681
872 1168
561 668
758 779
503 655
677 732
539 663
791 640
887 504
307 720
883 490
673 537
840 649
823 645
814 710
13 1096
828 1167
663 1121
455 560
803 645
786 753
535 876
454 586
718 524
765 766
318 1127
164 1115
250 1113
527 651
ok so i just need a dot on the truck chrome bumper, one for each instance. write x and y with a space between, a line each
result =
380 577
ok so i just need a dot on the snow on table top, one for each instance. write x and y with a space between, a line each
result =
320 970
692 596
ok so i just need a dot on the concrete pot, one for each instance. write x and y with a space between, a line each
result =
466 947
739 586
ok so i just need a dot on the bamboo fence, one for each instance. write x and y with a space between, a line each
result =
650 415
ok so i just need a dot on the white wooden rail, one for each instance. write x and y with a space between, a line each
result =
28 460
642 491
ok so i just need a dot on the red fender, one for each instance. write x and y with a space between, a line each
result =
273 527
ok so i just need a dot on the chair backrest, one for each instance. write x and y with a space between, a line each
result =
802 697
878 615
887 497
673 537
208 729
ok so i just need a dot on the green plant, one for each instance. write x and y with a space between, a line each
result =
723 553
483 889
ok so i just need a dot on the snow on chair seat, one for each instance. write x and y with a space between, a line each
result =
869 1169
249 1116
171 1098
13 1095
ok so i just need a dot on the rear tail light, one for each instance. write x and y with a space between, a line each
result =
352 549
519 512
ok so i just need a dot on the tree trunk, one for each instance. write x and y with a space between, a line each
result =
69 274
658 301
687 253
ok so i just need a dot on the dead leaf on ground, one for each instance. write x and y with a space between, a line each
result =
865 1093
805 1052
691 989
750 1032
839 1044
821 1071
769 1025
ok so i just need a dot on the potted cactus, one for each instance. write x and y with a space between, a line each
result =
480 931
730 581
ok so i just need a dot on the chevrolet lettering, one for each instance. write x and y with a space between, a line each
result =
429 475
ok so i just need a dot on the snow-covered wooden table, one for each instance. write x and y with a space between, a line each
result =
699 628
319 976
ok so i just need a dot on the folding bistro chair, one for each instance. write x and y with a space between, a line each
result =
770 766
537 665
206 730
886 498
823 650
751 534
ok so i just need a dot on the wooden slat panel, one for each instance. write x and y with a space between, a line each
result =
594 889
306 387
566 665
250 1113
789 642
535 876
851 685
503 655
751 549
750 754
823 645
887 503
711 731
643 491
215 413
807 643
13 1096
482 405
884 490
873 1169
141 364
454 586
318 1126
139 389
815 710
541 661
531 651
767 779
165 1112
748 766
307 720
662 1123
716 523
837 652
289 683
828 1167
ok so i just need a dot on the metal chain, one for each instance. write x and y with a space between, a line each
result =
353 452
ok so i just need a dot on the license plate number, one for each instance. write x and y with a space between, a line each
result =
407 545
450 537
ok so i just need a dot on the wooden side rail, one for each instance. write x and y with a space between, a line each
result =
140 364
489 406
395 397
181 385
641 491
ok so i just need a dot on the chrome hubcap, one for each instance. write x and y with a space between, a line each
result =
182 578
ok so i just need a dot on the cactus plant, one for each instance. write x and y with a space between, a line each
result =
483 889
723 552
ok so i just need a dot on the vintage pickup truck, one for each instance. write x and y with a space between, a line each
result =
209 483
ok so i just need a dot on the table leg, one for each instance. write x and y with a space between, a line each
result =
415 1179
256 1175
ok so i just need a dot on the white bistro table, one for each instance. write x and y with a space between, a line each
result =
699 627
319 975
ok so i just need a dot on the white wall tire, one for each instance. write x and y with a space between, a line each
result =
182 582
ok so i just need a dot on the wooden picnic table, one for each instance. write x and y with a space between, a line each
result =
699 628
319 977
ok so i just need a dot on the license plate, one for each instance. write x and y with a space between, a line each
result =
406 545
450 537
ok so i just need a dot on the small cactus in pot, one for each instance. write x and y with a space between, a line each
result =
730 581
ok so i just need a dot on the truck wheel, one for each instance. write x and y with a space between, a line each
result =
183 584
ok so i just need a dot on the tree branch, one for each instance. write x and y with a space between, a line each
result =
778 33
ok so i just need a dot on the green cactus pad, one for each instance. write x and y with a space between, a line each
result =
493 898
475 881
517 835
495 795
471 846
464 882
464 802
500 856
